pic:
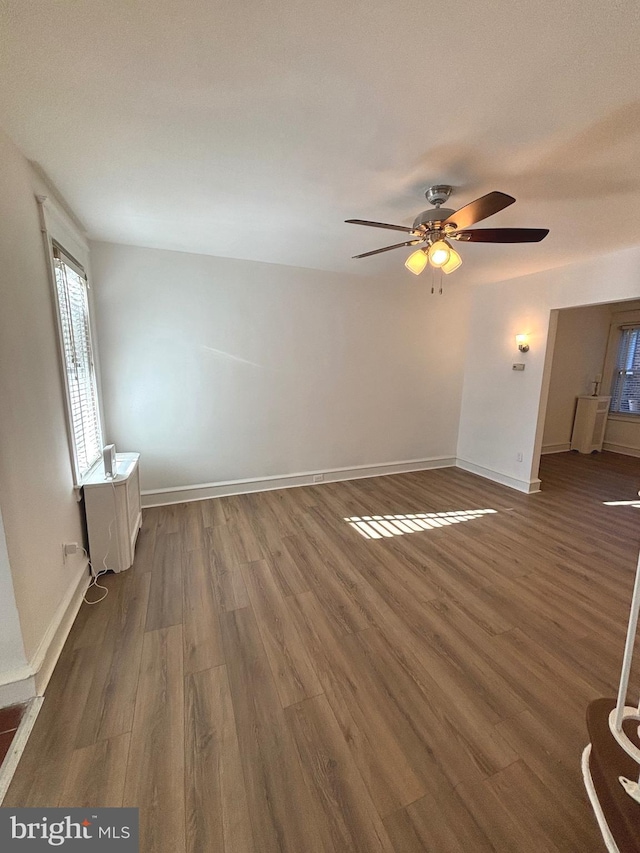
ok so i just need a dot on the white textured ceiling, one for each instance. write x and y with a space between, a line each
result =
253 129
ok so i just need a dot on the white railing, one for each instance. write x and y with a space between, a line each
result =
622 712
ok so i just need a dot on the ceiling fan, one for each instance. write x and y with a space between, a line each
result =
437 226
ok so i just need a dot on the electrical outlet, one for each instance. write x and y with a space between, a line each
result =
318 478
69 548
519 457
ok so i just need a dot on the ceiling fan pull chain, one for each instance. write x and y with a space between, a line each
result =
432 274
440 271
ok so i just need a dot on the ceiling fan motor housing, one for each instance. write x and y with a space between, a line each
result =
435 195
430 217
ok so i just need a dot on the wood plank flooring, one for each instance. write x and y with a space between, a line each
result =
267 679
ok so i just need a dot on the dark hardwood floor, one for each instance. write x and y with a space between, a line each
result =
268 678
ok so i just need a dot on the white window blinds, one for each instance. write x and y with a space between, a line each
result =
625 392
73 311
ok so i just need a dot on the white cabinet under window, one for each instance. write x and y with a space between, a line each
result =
590 423
113 512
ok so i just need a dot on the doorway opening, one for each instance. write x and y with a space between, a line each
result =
591 389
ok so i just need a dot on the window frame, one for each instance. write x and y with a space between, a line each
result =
620 321
630 353
61 255
61 231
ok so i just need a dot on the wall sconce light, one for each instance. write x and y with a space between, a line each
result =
523 342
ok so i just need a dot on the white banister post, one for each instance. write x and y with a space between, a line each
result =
628 649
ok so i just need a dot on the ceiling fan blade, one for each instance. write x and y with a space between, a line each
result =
479 209
381 225
502 235
388 248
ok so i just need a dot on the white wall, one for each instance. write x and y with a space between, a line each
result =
217 369
501 413
13 661
37 501
578 357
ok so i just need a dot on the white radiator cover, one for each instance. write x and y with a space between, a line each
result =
590 423
113 513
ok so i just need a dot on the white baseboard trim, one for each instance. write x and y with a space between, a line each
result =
556 448
47 654
204 491
621 448
18 744
529 487
22 684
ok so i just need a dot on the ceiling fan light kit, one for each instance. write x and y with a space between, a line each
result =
439 253
417 261
453 263
437 226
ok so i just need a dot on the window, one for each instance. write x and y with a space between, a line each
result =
625 391
75 333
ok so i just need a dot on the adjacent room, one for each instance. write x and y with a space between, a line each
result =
320 425
594 359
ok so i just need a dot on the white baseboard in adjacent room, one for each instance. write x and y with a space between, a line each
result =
555 448
204 491
621 448
529 487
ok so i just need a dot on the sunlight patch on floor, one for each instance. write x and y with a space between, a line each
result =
385 526
635 503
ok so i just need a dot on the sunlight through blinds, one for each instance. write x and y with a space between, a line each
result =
73 306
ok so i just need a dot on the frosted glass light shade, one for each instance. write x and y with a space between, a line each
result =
439 253
416 261
453 263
